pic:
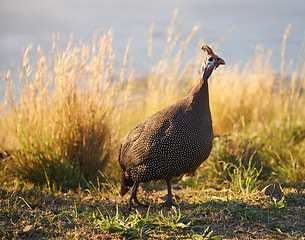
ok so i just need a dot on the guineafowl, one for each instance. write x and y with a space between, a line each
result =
172 142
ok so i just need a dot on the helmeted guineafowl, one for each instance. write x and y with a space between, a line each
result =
173 141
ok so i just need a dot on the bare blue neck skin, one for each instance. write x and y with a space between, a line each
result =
206 73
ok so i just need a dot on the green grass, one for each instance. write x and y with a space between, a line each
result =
200 214
61 129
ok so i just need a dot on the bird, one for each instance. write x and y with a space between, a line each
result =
172 142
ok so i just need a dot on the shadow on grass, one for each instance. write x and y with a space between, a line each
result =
55 214
236 218
244 218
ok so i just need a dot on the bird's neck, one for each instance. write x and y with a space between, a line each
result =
199 97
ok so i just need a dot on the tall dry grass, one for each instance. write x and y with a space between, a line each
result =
65 116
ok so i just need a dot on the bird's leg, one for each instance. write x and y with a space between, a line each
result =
133 196
169 201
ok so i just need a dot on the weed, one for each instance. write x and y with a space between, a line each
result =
290 169
277 204
205 235
173 219
105 188
132 226
243 180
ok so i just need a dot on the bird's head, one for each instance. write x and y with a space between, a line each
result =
210 62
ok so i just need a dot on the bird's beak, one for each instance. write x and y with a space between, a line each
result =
219 61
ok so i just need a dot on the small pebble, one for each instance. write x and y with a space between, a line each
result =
176 187
274 191
28 230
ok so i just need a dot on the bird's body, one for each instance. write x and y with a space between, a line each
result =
160 146
170 143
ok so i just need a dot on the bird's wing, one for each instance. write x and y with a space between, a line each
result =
143 142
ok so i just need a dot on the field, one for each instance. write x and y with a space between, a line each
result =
61 129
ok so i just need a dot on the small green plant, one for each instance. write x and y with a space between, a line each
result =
205 235
290 170
277 204
104 186
135 225
173 219
243 180
138 225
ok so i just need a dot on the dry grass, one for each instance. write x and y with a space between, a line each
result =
65 114
70 112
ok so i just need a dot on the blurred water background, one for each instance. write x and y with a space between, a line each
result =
259 22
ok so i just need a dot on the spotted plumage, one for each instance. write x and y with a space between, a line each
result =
173 141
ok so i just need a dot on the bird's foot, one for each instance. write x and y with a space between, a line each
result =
136 201
169 203
141 205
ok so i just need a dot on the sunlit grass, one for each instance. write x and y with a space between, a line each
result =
65 115
62 131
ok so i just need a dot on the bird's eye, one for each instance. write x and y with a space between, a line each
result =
210 59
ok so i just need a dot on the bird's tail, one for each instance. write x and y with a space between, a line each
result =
126 183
